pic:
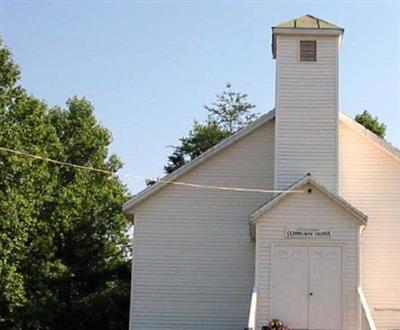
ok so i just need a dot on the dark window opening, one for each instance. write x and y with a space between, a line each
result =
308 50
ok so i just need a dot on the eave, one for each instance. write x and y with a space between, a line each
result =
129 205
358 215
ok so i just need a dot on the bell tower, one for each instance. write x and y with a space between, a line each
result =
306 50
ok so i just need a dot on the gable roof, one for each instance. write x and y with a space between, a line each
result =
307 179
198 160
307 22
150 190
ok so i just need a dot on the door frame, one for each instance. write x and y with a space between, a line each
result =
303 243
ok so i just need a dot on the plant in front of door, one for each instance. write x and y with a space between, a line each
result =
276 324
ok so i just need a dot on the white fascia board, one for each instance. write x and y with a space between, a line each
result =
147 192
358 215
366 133
307 31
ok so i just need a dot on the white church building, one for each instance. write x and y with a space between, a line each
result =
322 253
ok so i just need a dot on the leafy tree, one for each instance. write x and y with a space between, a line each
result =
201 138
63 237
372 123
227 115
23 126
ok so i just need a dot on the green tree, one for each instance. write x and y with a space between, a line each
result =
227 115
372 123
64 247
200 138
23 126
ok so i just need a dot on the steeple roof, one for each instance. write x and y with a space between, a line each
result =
308 22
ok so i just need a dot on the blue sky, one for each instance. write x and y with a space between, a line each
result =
149 67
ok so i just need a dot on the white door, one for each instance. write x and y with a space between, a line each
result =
307 287
325 274
289 289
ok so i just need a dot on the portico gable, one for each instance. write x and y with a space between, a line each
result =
307 258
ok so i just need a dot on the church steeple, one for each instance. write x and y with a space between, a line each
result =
306 50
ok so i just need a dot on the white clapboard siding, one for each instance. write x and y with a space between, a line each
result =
306 112
309 210
193 256
370 180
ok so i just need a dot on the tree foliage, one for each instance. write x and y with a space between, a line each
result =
231 111
372 123
200 138
63 239
227 115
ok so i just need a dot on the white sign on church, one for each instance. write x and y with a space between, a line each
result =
300 232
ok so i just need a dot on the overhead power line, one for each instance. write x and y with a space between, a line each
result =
127 175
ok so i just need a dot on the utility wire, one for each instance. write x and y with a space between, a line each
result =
127 175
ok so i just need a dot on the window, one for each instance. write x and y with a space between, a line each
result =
308 50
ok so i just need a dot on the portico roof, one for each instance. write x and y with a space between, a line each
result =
358 215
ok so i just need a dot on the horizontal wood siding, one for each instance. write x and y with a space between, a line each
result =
193 256
306 112
370 179
313 210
